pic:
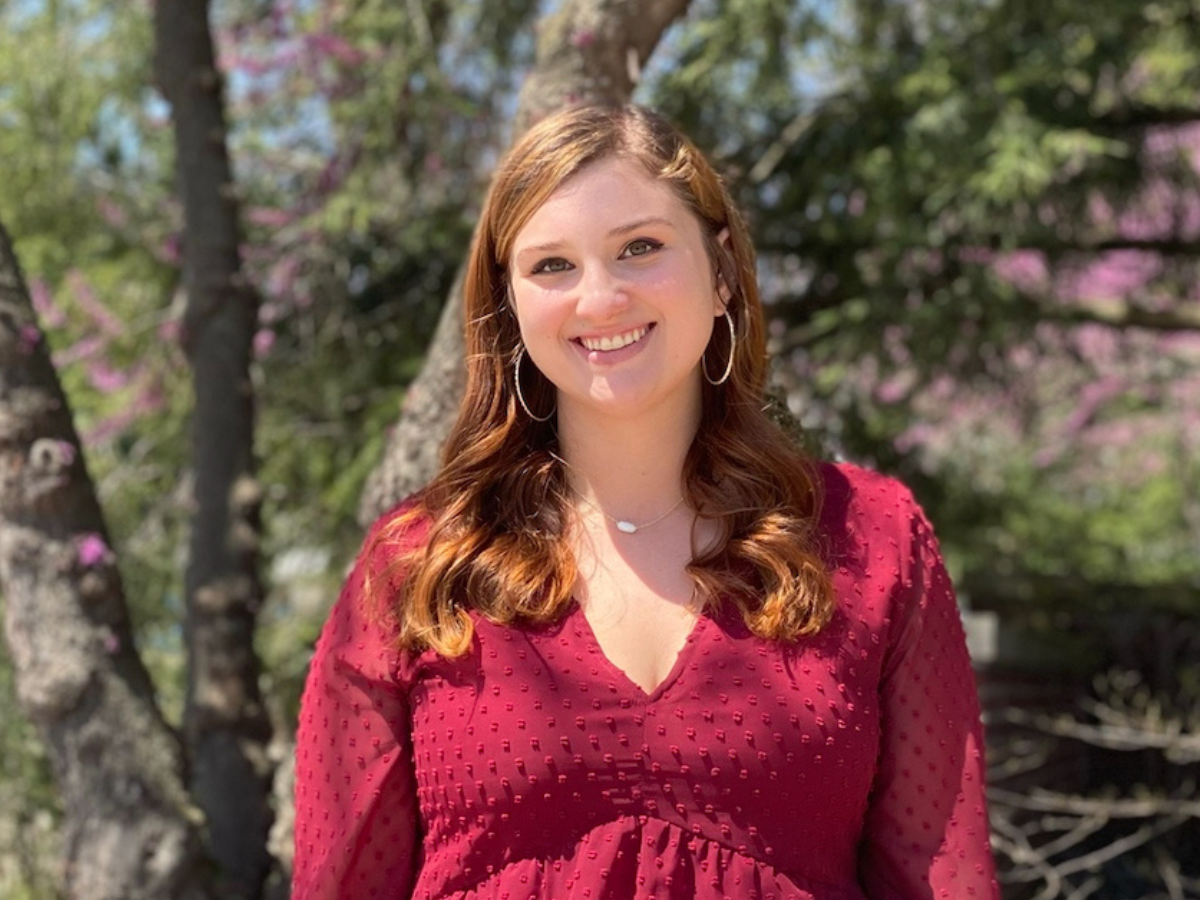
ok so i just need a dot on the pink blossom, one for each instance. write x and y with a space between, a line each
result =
264 340
585 37
170 330
279 19
1047 456
170 250
105 378
112 213
268 217
894 389
81 349
281 280
30 337
92 551
1089 402
338 48
66 453
43 304
151 397
247 65
913 437
334 172
1026 269
100 315
287 55
113 425
1115 274
1100 210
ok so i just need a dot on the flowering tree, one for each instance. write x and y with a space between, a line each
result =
128 821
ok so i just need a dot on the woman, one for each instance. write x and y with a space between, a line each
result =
630 643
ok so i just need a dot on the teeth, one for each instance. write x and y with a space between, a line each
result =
616 342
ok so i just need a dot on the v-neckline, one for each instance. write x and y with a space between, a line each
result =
673 675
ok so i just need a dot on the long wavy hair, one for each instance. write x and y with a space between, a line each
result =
495 518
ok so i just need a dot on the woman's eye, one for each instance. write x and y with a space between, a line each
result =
641 247
553 265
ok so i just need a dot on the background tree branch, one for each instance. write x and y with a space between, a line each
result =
225 720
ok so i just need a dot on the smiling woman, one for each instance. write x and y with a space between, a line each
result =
630 642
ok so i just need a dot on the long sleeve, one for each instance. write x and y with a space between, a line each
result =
356 815
927 830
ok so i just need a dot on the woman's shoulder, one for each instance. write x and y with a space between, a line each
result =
362 621
855 489
390 542
865 512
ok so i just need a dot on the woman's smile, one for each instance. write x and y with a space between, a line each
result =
615 342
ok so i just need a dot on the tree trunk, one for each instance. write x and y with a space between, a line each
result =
589 51
129 831
226 724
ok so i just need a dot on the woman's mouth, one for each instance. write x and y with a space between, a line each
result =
615 341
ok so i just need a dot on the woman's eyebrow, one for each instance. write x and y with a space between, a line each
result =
640 223
540 248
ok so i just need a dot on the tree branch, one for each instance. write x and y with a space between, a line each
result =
1142 116
1117 313
225 720
1179 747
1106 807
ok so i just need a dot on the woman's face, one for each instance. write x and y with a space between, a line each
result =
615 294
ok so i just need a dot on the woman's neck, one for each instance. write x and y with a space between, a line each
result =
627 470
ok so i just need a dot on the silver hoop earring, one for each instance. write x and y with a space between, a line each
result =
729 363
521 396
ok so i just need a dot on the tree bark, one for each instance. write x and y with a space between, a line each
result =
226 725
129 830
588 51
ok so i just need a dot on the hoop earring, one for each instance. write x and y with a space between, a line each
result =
729 364
521 396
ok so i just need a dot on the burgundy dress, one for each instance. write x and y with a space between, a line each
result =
843 767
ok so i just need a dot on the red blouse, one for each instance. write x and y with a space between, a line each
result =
844 767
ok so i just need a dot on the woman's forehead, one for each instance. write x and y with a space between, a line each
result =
604 194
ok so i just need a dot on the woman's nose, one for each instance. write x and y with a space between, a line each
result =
601 293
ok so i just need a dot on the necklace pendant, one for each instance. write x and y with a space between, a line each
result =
626 527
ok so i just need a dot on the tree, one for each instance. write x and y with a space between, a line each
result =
225 719
129 829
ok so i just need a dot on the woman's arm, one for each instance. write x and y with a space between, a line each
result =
356 812
927 830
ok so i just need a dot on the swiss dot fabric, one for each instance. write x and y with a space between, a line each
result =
844 767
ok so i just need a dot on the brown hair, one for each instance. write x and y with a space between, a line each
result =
498 510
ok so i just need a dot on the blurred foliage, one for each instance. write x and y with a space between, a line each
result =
903 166
29 803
